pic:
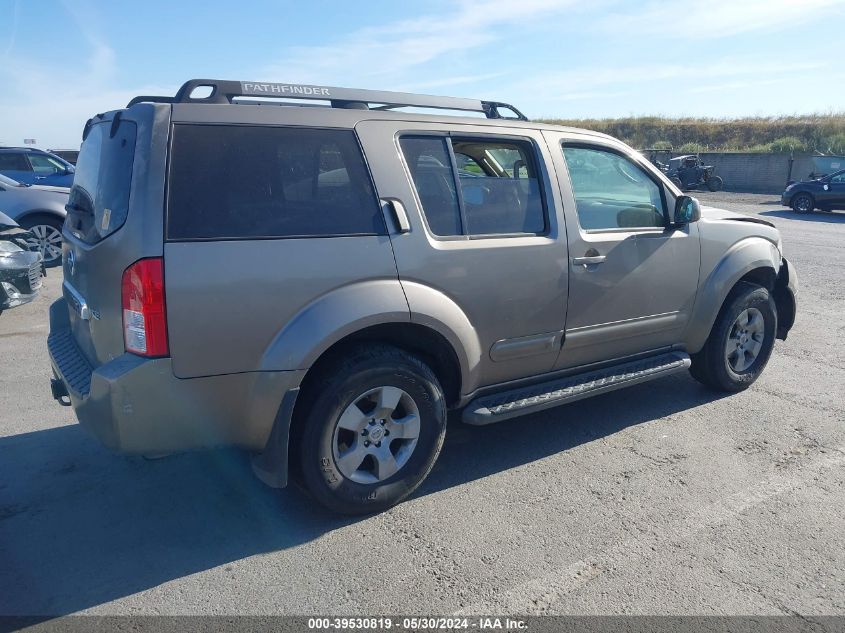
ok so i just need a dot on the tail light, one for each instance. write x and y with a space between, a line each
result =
144 314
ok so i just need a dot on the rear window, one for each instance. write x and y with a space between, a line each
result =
99 197
242 182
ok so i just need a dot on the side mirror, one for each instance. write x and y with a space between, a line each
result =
687 210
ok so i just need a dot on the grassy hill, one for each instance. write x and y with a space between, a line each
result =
821 132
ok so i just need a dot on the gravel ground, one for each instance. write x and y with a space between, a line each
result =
660 499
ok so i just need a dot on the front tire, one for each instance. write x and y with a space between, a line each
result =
741 341
803 203
374 427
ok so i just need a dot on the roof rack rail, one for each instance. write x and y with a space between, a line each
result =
222 91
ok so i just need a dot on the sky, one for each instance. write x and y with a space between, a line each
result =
62 61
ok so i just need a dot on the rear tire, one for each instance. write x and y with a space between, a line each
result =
47 230
741 341
374 424
715 183
677 182
803 203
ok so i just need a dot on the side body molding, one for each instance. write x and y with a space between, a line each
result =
716 281
433 309
331 317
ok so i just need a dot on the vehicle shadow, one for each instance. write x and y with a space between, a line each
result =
829 217
80 527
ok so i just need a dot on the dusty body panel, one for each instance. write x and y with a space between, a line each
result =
508 288
114 401
641 296
268 286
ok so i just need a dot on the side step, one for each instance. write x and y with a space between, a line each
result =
523 400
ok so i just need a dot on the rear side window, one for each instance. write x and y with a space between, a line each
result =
476 187
241 182
99 197
13 162
430 166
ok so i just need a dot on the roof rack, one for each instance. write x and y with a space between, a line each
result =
222 91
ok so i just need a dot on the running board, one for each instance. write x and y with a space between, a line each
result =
523 400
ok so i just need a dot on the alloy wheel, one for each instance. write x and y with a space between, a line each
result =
802 204
48 240
745 339
376 435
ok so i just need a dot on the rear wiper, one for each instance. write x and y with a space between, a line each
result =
75 207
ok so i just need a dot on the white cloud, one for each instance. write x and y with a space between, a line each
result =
542 55
734 85
669 19
388 54
13 30
585 81
51 104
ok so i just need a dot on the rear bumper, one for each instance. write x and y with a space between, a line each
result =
136 405
786 199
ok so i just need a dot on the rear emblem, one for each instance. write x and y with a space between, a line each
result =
71 262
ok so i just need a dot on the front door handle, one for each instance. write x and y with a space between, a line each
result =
399 214
587 260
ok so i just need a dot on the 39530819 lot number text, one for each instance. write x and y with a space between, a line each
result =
416 623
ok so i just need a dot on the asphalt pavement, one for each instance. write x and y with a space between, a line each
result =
664 498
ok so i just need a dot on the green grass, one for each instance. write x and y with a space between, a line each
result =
821 132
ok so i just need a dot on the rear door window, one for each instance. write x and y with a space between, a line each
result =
476 186
428 161
13 161
249 182
99 198
505 198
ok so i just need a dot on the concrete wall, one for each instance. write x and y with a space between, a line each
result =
765 173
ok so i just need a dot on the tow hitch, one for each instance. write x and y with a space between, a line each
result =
60 392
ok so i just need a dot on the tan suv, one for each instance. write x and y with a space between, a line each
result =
319 285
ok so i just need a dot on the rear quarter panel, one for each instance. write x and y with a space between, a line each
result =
228 302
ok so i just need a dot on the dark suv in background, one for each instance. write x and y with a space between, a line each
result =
826 193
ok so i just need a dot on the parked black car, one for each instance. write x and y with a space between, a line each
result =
826 194
21 269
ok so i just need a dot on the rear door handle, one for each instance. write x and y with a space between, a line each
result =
587 260
399 214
